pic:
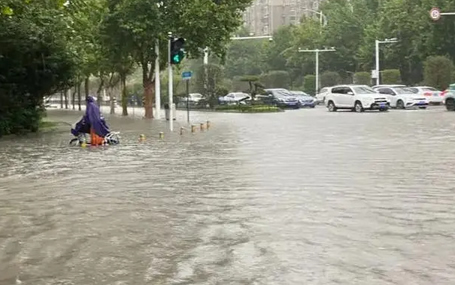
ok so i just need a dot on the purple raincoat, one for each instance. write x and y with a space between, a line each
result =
92 119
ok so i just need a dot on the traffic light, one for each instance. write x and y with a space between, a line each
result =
177 53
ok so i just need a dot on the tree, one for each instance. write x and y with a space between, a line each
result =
390 76
276 79
362 78
438 72
309 84
35 61
201 22
275 50
214 81
330 78
244 57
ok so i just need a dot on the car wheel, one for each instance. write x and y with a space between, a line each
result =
358 107
383 109
331 106
400 104
450 104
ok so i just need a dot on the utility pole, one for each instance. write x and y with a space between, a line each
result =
317 51
376 74
170 74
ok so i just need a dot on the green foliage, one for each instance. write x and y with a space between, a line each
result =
244 57
438 72
309 84
330 78
276 79
390 76
35 61
362 78
352 29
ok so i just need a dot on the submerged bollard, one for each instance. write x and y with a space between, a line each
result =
141 137
208 125
181 130
161 135
202 126
193 128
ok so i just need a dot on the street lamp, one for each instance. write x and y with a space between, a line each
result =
321 17
377 42
317 51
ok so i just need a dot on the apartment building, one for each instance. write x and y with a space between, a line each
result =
264 17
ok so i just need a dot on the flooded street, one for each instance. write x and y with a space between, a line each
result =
301 197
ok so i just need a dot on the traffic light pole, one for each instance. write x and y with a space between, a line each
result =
171 117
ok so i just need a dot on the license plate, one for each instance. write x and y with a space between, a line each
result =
435 94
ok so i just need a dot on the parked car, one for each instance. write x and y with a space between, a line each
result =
404 97
357 98
193 99
449 98
433 95
388 85
280 97
304 99
234 98
320 97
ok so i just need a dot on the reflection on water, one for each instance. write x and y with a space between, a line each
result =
302 197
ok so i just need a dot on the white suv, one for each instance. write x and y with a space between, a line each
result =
357 98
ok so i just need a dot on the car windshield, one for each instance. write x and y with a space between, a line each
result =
281 93
429 89
363 90
404 91
298 93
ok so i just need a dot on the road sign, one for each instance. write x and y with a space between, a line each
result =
435 14
186 75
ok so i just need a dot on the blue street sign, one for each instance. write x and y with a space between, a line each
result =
186 75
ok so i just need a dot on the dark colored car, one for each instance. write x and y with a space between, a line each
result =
304 99
281 98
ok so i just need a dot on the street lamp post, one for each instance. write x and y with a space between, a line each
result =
322 17
377 42
317 51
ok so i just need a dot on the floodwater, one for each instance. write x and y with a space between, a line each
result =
301 197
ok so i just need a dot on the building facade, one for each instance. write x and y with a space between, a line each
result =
264 17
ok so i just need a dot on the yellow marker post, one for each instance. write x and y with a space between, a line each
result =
161 135
202 126
193 128
181 130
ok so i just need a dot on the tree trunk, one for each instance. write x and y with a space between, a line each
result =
87 87
124 95
99 99
149 90
112 101
67 92
73 98
61 99
79 99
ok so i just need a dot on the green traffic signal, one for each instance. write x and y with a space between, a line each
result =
177 57
176 50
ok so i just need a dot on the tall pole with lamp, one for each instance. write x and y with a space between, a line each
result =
317 51
377 42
